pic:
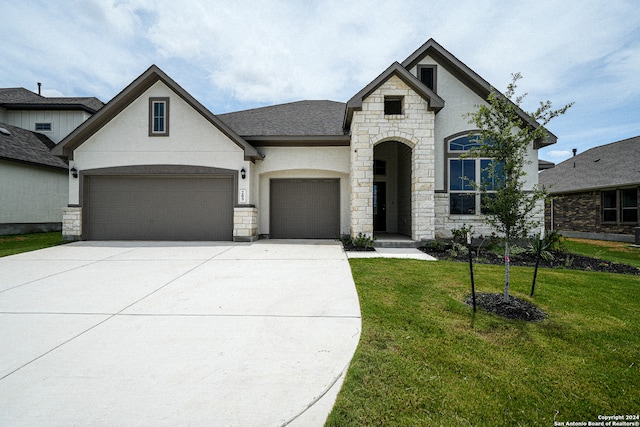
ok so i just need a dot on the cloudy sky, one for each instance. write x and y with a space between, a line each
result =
234 55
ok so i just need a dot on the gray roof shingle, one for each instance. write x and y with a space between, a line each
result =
611 165
28 147
20 97
302 118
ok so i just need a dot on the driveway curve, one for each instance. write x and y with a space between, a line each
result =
176 333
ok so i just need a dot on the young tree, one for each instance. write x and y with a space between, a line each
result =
506 137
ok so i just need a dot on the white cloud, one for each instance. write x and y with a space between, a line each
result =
559 154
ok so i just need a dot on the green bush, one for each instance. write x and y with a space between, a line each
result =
362 241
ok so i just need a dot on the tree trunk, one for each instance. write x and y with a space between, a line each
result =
507 271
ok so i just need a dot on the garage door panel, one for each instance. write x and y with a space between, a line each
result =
159 207
305 208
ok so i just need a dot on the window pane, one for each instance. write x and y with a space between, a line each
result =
609 215
426 77
492 182
609 199
629 198
458 171
464 143
158 124
462 204
484 198
158 109
392 106
379 167
630 215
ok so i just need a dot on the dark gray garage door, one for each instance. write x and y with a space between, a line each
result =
152 207
305 208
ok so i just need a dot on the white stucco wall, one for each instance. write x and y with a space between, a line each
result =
31 194
300 162
192 140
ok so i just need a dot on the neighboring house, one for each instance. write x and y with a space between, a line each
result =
53 117
595 193
34 184
154 163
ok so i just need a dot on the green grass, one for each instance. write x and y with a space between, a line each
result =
11 245
425 360
619 252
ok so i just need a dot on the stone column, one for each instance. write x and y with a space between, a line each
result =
245 224
72 223
361 188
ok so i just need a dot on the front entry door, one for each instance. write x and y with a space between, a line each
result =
379 206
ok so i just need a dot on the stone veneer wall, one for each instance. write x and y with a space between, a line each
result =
415 128
71 223
245 224
445 222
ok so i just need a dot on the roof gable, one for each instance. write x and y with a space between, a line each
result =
132 92
467 76
355 103
607 166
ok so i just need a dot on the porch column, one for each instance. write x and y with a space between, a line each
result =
361 183
423 181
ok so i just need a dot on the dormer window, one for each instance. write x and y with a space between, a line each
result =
427 75
393 105
158 116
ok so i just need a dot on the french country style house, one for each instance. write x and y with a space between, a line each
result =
154 163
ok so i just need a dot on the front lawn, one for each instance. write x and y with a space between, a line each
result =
620 252
11 245
425 360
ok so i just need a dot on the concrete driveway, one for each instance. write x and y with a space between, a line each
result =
175 333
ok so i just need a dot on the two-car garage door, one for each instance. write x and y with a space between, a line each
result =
159 207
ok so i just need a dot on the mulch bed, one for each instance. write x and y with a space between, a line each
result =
514 309
560 260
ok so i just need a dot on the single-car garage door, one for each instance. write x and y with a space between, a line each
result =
158 207
305 208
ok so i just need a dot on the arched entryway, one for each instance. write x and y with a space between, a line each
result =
392 213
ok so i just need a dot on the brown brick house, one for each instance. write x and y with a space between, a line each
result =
595 194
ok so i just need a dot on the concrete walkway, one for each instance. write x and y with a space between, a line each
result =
172 333
405 253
